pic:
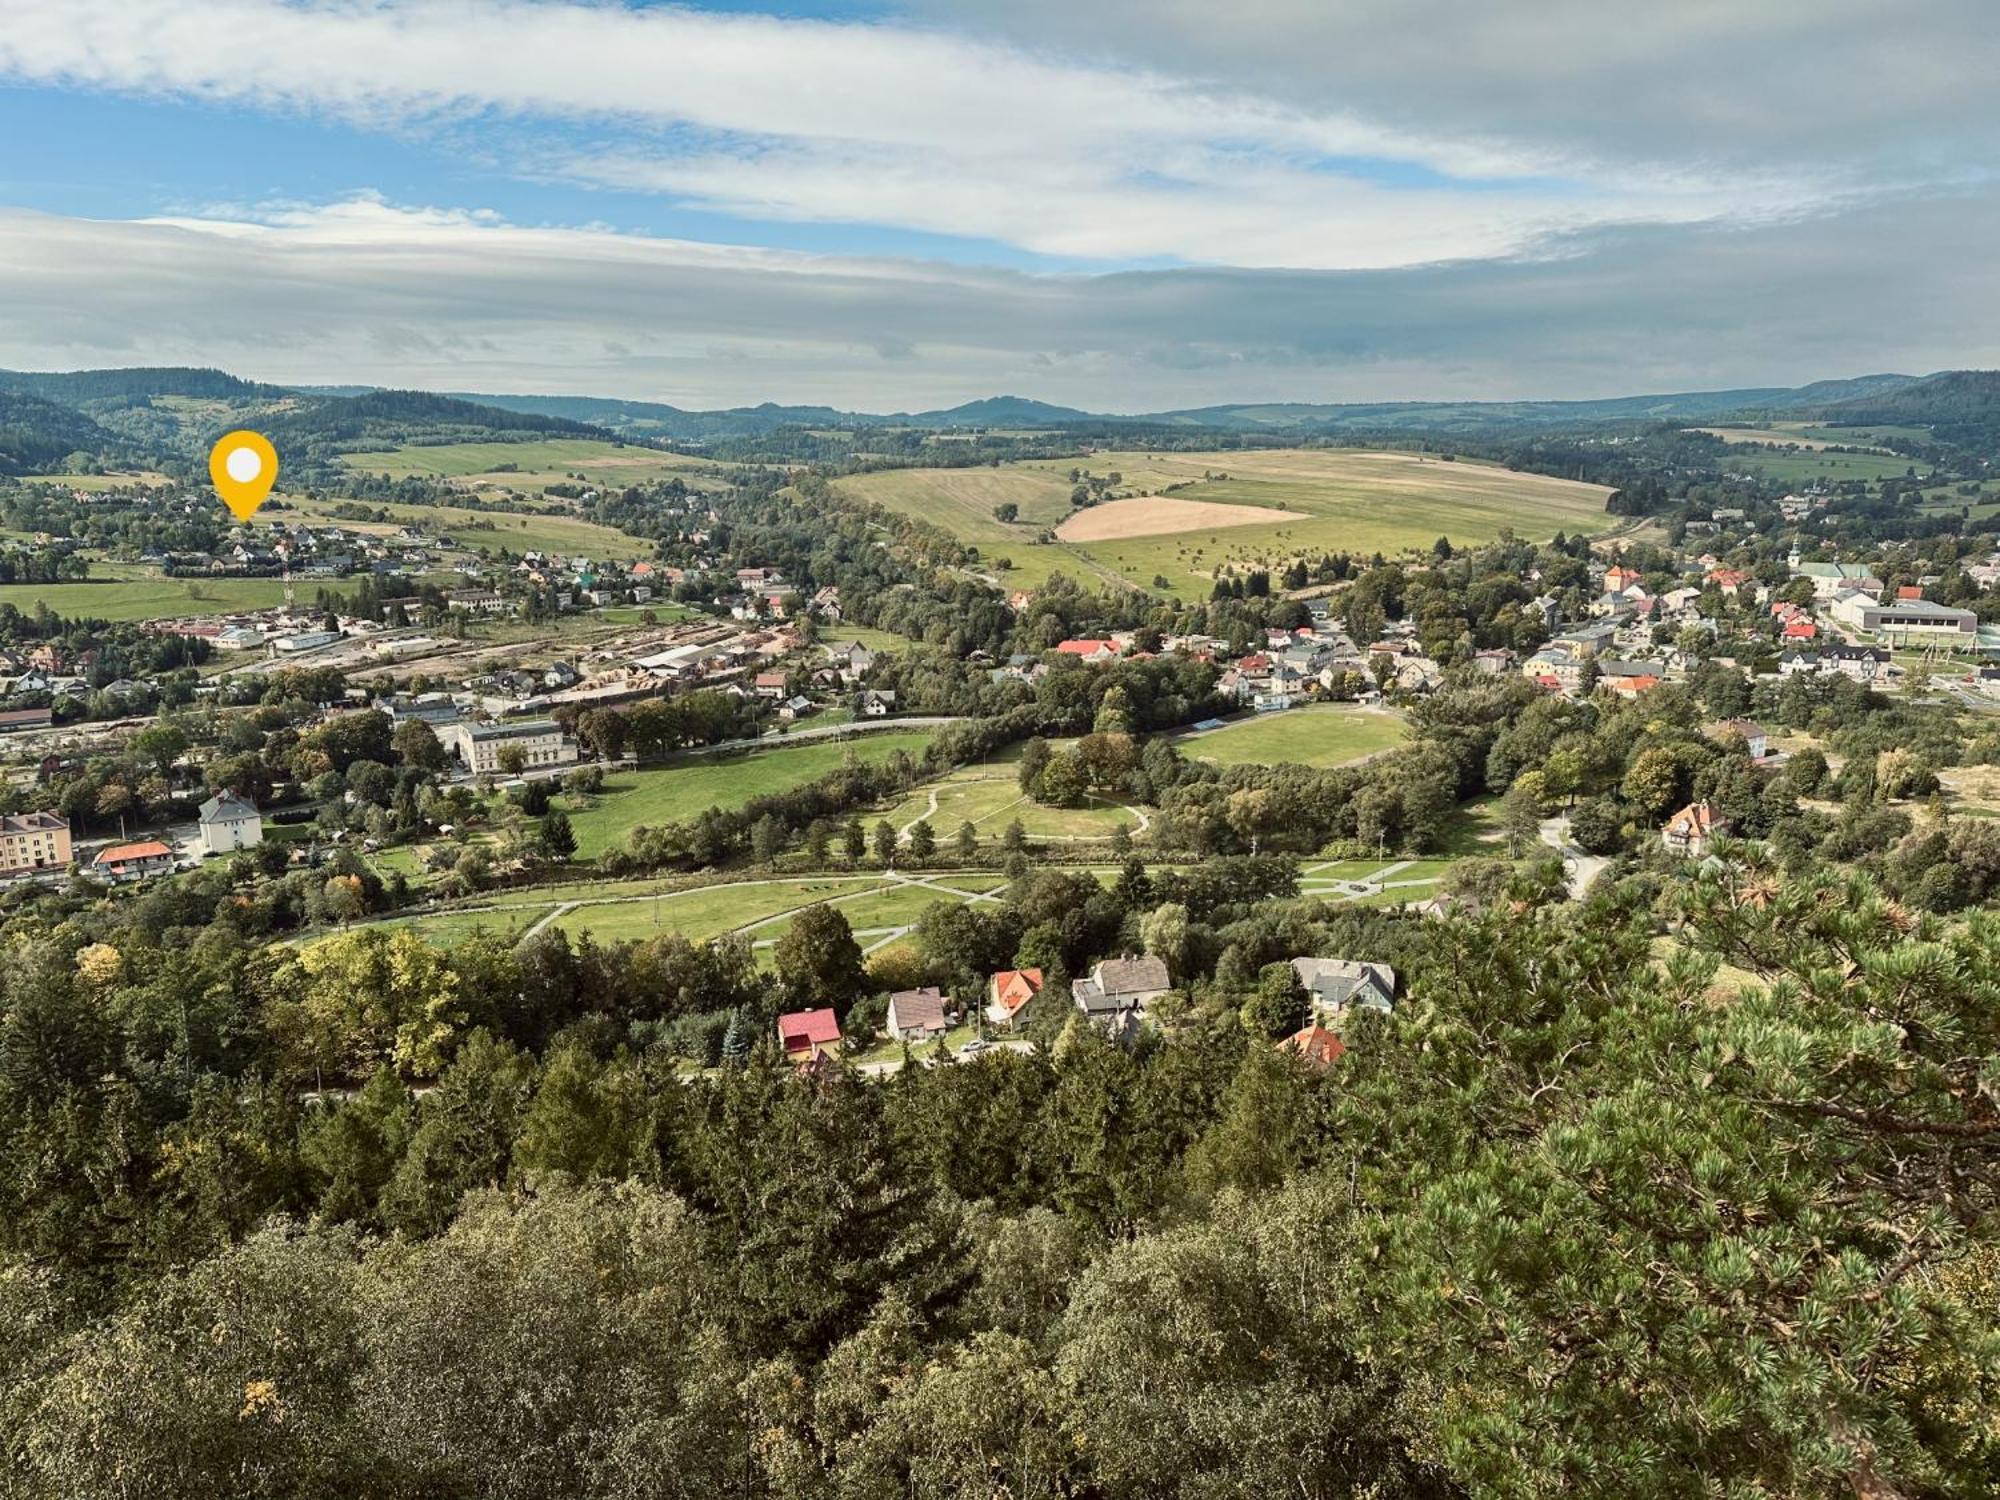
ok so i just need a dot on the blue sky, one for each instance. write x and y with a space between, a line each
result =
1119 203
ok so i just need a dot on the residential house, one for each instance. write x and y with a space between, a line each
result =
1693 829
809 1036
877 703
796 708
1749 731
1334 984
917 1015
769 685
227 822
1316 1045
1095 653
1119 989
1009 993
853 659
133 861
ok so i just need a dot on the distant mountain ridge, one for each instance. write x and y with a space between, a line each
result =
121 411
657 419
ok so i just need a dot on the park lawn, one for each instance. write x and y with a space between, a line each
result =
447 929
990 798
676 793
1329 734
1474 828
708 912
149 598
534 465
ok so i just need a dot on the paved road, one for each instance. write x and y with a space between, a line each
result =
1582 868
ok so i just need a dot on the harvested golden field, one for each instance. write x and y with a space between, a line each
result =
1160 515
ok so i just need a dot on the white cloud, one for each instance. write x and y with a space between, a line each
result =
900 126
363 291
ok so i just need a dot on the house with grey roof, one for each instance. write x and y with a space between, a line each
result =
917 1015
1336 984
227 822
1119 989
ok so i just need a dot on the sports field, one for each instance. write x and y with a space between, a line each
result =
530 467
1321 734
676 793
1339 500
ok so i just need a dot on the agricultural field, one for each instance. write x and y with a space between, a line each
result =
1804 468
675 793
483 530
1321 734
1292 501
530 468
98 483
152 597
1814 436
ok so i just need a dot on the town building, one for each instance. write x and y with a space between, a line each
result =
1907 618
481 746
227 822
33 841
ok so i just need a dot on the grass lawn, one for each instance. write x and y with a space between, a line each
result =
1343 499
671 794
1321 734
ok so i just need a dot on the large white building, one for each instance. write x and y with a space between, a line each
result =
1909 618
227 822
480 746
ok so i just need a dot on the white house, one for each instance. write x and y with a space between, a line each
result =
228 822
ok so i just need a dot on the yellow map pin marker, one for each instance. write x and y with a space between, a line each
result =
244 466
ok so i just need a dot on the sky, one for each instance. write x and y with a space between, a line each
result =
1125 205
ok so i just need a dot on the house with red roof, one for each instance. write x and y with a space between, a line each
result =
1801 630
809 1036
1618 579
1729 580
1691 830
133 861
1094 652
1009 993
1318 1046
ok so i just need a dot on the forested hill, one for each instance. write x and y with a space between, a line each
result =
167 418
37 434
77 387
1959 406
